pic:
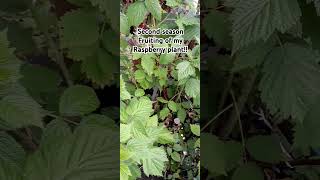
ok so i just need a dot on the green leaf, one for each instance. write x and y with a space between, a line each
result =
176 156
20 110
193 87
139 109
307 133
9 172
12 154
153 6
124 94
185 69
125 132
173 106
162 100
252 56
87 154
139 93
100 68
217 26
167 58
254 20
292 69
265 148
164 113
124 24
79 28
39 79
224 155
248 171
181 115
195 129
148 63
78 100
136 13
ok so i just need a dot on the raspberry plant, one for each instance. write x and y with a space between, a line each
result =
263 68
160 94
55 67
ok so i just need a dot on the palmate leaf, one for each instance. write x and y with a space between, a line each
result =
291 79
78 100
254 20
152 158
87 154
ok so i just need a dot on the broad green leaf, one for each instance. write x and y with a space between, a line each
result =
111 36
39 79
11 154
181 115
20 110
152 121
162 100
217 26
254 20
139 93
195 129
185 69
265 148
124 24
252 56
136 13
224 155
291 77
9 173
192 87
78 100
248 171
100 68
148 63
164 113
307 133
176 156
167 58
139 109
79 28
87 154
153 6
161 135
125 133
173 106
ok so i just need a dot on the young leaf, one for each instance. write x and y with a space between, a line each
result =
195 129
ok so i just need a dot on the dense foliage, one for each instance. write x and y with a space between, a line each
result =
160 94
260 108
56 71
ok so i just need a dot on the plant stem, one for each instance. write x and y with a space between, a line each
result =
53 46
216 116
230 123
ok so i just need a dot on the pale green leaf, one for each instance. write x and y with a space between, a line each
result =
148 63
195 129
192 87
124 94
139 109
153 6
185 69
136 13
173 106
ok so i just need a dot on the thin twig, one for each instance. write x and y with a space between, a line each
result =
216 116
240 124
